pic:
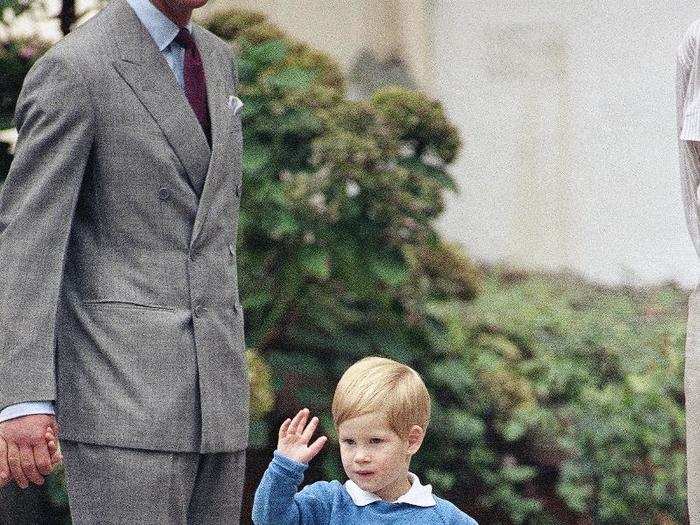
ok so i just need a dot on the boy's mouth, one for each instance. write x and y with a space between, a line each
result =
364 473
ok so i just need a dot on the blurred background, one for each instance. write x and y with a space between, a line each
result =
488 192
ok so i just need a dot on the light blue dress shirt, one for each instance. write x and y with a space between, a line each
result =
163 31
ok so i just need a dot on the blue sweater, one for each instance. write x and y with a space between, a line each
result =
328 503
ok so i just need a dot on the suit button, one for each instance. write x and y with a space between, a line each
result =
191 255
164 194
199 310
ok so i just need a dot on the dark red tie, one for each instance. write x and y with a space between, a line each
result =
195 83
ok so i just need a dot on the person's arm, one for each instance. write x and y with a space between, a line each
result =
26 409
55 123
688 130
276 499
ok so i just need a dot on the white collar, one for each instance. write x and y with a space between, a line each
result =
419 495
161 28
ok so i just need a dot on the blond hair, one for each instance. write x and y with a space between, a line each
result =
378 384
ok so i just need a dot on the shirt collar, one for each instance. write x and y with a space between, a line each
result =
162 29
419 495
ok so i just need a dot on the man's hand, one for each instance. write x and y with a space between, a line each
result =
294 436
26 453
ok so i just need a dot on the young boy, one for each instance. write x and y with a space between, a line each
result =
380 409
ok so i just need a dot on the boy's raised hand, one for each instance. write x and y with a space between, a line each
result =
294 438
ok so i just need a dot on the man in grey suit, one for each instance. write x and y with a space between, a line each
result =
119 300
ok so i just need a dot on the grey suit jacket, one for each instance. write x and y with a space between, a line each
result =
118 284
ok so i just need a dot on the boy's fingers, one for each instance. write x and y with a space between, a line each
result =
295 422
284 427
317 445
308 432
290 427
301 423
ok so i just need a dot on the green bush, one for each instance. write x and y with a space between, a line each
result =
578 390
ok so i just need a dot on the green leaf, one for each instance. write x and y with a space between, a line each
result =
314 260
464 426
264 55
257 300
520 473
297 362
513 431
246 72
282 224
291 79
441 176
259 434
392 271
255 156
442 480
314 397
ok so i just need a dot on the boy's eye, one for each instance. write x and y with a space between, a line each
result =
348 441
376 440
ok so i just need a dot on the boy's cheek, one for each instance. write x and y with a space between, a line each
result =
346 460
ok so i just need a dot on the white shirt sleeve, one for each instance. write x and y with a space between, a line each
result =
26 409
688 119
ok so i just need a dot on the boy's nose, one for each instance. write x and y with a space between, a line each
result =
362 457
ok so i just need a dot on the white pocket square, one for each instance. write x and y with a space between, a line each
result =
235 104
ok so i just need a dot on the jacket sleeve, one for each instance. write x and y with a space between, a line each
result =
277 501
54 120
688 129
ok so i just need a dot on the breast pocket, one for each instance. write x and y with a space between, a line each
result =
236 105
235 114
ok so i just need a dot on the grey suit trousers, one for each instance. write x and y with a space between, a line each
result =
692 404
142 487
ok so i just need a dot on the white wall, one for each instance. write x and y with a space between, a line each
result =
568 115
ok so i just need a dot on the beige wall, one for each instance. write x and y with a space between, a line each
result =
568 117
343 28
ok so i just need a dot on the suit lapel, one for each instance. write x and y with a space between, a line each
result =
219 114
145 70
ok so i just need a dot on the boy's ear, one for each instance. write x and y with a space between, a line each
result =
415 439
